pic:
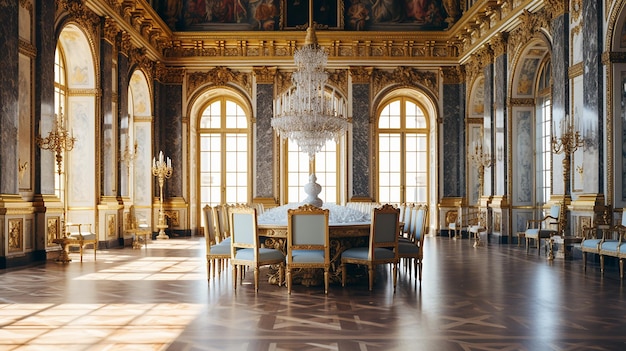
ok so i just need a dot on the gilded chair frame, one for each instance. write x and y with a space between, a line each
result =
245 247
308 241
382 247
217 254
537 229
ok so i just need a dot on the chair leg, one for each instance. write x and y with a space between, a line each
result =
584 261
371 276
343 274
621 268
326 280
288 278
601 264
235 276
395 275
256 278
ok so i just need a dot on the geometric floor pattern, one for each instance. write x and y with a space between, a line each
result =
495 297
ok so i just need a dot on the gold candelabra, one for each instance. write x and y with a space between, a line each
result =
162 169
129 156
569 141
481 160
59 141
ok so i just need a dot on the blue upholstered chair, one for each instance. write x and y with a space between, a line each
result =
308 243
245 247
413 251
611 243
217 254
537 229
382 248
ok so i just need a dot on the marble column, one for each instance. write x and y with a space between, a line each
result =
592 116
560 89
168 124
361 135
109 159
453 132
9 96
264 157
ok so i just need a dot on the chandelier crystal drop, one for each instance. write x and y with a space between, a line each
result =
307 113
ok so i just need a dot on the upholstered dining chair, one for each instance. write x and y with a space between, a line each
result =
413 251
222 223
245 247
308 243
382 248
537 229
217 254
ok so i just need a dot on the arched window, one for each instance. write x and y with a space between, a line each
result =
402 134
544 133
60 96
224 153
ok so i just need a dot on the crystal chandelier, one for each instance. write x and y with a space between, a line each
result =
306 113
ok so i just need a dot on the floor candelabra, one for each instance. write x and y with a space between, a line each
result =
162 169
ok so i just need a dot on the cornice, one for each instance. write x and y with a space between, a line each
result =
264 75
361 75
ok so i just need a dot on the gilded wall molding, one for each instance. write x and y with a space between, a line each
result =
79 13
521 102
110 30
609 57
125 45
556 7
16 234
264 75
221 76
575 70
453 74
405 76
283 82
360 74
339 79
28 5
138 57
52 230
168 75
576 9
531 24
498 44
27 49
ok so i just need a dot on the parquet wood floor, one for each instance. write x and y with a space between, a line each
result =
489 298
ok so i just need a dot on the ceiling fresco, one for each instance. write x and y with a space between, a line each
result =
270 15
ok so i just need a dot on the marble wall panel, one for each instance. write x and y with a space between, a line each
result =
593 111
264 156
45 42
361 134
453 140
171 141
81 174
560 89
488 73
122 114
9 100
500 125
523 153
108 142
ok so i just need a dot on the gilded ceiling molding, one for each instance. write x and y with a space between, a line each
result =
611 25
521 102
452 74
110 30
609 57
405 76
221 76
169 75
264 75
360 74
498 44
